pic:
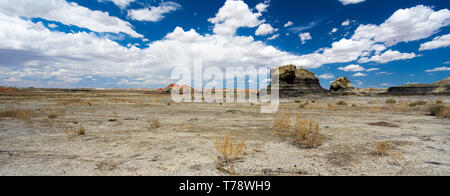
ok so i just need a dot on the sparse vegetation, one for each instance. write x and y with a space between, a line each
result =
414 104
298 101
391 101
52 116
282 123
307 133
341 103
439 101
332 107
229 151
383 148
440 111
155 124
19 114
75 131
303 105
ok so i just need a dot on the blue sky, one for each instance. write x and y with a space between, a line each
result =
136 43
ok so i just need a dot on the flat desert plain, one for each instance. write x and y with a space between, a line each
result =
136 133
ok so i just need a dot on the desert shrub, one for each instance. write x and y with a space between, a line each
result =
228 150
19 114
441 111
298 101
313 101
307 133
391 101
282 123
341 103
332 107
154 124
396 157
75 131
52 116
383 148
303 105
439 102
354 105
413 104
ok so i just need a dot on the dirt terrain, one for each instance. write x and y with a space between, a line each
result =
120 138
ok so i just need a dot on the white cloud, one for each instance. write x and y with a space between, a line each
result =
388 56
265 29
347 2
305 36
154 13
288 24
233 15
67 13
352 68
438 42
66 58
439 69
274 37
406 25
326 76
52 25
373 69
359 74
262 7
120 3
334 30
346 23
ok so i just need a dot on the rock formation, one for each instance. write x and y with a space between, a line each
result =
342 85
438 88
295 82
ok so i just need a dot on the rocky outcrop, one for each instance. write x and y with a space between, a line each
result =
438 88
182 89
295 82
342 85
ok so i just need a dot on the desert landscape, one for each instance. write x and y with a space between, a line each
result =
119 132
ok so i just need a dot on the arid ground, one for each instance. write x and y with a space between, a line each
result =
122 136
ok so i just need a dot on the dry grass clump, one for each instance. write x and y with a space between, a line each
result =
383 148
307 133
440 111
341 103
391 101
52 116
154 124
75 131
303 105
439 101
396 157
332 107
19 114
421 102
282 123
229 152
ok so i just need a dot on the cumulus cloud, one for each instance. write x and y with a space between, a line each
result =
305 36
265 29
262 7
438 42
352 68
233 15
334 30
404 25
388 56
67 13
346 23
64 59
120 3
347 2
439 69
153 13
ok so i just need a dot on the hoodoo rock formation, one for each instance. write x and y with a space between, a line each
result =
295 82
342 86
438 88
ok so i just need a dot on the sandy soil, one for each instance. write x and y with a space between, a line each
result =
120 141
